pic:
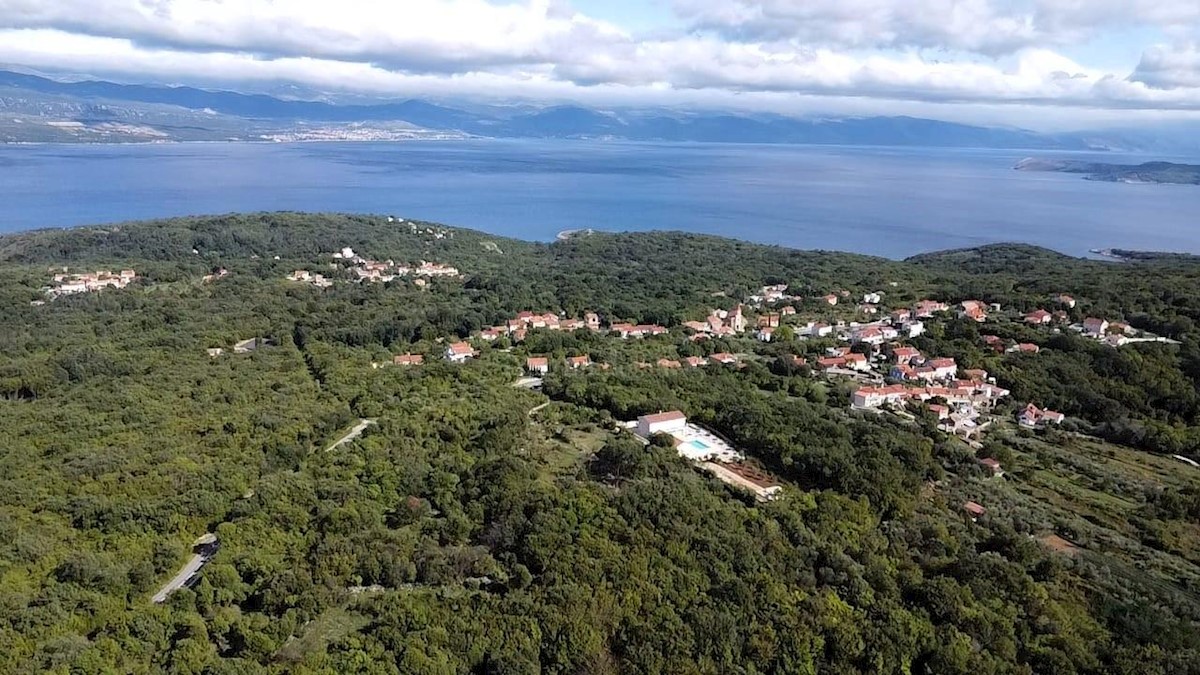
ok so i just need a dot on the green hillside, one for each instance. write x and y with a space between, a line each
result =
481 527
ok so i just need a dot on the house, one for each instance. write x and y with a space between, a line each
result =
830 299
215 352
537 365
869 310
857 362
737 321
1038 318
994 341
974 510
408 360
769 320
905 355
940 410
821 330
913 329
975 375
669 364
492 334
697 326
993 466
576 362
1024 348
695 362
974 310
459 352
871 335
872 298
592 321
901 315
903 372
765 334
727 359
1095 327
873 397
1066 301
788 311
831 362
943 368
1033 417
927 308
661 423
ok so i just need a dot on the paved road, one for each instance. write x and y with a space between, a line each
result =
187 572
354 433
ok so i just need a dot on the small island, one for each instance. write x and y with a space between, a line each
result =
1149 172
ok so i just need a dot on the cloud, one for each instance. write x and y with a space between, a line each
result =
744 52
1164 67
990 27
415 36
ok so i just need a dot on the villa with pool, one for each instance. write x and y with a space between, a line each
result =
691 441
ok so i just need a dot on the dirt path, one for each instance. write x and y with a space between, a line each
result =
353 434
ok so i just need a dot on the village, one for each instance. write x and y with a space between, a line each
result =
67 283
363 270
873 350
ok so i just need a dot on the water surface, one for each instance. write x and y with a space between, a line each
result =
887 201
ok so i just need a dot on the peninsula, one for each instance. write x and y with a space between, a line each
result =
1149 172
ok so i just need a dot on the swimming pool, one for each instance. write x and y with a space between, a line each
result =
699 445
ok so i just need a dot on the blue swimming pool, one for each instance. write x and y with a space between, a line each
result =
699 445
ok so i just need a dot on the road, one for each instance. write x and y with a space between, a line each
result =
538 408
353 434
185 574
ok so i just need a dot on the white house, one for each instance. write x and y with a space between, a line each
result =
459 352
537 365
661 423
765 334
872 298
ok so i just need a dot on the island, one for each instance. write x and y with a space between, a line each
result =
652 452
1149 172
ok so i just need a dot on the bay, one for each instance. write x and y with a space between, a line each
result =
893 202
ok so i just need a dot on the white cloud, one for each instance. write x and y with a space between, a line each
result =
992 27
1165 67
752 52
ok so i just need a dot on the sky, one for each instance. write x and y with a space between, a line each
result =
1037 63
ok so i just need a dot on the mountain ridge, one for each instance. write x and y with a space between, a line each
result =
43 102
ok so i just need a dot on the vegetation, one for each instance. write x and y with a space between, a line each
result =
473 530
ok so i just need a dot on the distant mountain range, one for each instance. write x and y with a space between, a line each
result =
34 108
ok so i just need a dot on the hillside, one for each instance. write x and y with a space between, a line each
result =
238 403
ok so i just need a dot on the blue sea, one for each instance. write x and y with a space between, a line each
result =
892 202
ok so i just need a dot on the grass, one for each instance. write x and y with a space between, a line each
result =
333 624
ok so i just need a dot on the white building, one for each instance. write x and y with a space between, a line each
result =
459 352
661 423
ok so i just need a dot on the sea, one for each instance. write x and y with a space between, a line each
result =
892 202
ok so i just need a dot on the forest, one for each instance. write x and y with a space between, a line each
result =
478 527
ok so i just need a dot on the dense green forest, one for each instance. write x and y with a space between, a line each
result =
472 530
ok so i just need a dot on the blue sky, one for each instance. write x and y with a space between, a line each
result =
1039 63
